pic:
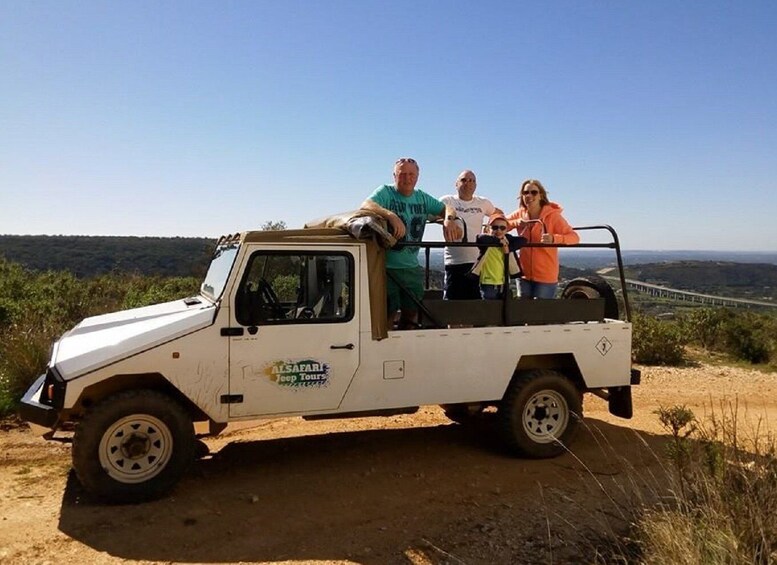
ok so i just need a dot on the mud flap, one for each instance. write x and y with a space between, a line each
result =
620 401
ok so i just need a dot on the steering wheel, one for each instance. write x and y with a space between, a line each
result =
270 299
267 292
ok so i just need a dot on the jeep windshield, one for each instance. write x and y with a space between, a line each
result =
218 271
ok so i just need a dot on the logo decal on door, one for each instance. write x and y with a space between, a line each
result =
304 373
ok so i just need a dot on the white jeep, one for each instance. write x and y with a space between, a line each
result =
294 323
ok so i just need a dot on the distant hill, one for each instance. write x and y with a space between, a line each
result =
744 280
94 255
598 258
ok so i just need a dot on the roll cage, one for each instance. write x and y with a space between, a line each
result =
438 313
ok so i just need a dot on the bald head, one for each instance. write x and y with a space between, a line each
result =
466 183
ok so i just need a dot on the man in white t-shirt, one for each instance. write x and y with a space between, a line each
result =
460 260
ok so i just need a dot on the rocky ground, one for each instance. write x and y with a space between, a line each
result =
408 489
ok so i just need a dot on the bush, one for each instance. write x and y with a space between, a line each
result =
707 327
750 337
23 356
744 336
143 291
657 342
37 308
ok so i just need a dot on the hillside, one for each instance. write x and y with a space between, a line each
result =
757 281
95 255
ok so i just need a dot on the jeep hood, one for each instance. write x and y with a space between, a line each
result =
102 340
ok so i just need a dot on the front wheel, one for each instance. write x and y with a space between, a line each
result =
540 413
133 446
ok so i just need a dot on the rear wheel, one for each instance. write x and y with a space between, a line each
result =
593 287
540 413
133 446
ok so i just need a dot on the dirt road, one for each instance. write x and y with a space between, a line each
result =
407 489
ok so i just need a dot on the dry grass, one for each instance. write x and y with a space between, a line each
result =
709 499
722 480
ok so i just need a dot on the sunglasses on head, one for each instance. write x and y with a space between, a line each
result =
498 228
405 160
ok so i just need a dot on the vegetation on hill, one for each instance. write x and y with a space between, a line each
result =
37 307
87 256
736 335
756 281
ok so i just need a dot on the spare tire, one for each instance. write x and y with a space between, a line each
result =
593 287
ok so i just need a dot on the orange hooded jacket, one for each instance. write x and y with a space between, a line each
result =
540 264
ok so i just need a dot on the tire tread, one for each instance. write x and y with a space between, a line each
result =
91 428
511 430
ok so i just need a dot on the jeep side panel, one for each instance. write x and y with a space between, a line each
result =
476 364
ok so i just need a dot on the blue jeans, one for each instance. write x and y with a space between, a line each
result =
533 289
491 291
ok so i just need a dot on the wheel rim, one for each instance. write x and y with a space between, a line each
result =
545 416
135 448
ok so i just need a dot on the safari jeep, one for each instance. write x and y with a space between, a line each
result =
294 323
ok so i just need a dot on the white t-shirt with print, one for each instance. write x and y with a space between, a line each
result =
472 212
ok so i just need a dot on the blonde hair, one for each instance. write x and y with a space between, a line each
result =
543 193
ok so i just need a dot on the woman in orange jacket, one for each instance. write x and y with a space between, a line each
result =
540 221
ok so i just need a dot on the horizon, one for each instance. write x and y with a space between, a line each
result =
438 251
149 120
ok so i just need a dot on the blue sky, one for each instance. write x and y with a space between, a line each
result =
203 118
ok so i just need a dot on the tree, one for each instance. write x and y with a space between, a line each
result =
270 225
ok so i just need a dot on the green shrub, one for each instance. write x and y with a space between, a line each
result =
750 337
144 291
23 356
743 335
657 342
37 308
707 327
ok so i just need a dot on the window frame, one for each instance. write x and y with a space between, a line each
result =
350 286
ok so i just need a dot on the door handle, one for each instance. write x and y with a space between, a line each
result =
346 346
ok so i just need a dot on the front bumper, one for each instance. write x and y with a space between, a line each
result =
32 410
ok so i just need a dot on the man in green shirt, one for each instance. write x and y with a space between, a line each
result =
406 209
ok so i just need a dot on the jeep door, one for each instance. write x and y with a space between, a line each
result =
295 342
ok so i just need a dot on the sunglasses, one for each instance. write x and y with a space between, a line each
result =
534 192
405 160
498 228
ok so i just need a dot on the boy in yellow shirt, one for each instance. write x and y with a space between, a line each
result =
490 266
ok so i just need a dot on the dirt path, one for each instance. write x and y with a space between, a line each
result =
407 489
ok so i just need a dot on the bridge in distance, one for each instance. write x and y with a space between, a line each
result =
687 296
